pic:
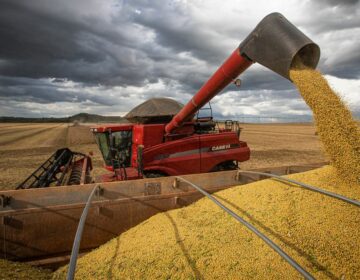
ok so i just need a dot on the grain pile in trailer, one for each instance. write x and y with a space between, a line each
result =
200 240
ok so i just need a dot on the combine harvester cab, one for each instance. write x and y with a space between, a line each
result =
39 225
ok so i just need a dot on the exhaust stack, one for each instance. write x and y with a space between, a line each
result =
274 43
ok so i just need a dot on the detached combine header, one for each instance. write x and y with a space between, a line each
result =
64 167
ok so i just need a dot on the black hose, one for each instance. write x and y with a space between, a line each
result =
275 247
78 235
306 186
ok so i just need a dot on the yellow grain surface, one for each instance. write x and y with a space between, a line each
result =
338 131
201 241
14 270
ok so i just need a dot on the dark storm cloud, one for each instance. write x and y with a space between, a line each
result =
334 25
119 52
40 41
332 15
347 67
44 92
339 3
256 79
176 29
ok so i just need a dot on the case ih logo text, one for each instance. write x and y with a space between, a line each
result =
221 147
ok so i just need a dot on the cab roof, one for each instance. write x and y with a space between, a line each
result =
111 127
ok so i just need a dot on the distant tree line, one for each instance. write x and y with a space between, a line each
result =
81 118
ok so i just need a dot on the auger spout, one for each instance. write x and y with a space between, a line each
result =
274 43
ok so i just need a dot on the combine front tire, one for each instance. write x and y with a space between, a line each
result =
224 166
154 174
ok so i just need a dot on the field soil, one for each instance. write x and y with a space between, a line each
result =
24 147
281 145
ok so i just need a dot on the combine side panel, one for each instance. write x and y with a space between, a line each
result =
220 148
174 157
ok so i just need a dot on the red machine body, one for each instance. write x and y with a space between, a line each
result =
151 153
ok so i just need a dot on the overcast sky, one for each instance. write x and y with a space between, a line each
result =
59 58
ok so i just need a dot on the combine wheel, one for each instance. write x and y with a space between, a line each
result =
224 166
154 174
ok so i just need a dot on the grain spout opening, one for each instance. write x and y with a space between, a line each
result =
307 57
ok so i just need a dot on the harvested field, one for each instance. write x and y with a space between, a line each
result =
21 135
281 144
271 145
79 134
23 147
202 242
10 130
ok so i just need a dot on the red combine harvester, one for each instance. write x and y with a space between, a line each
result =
145 149
164 138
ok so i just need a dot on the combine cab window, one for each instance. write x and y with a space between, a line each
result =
122 144
120 148
103 143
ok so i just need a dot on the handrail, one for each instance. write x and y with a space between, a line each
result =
78 235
